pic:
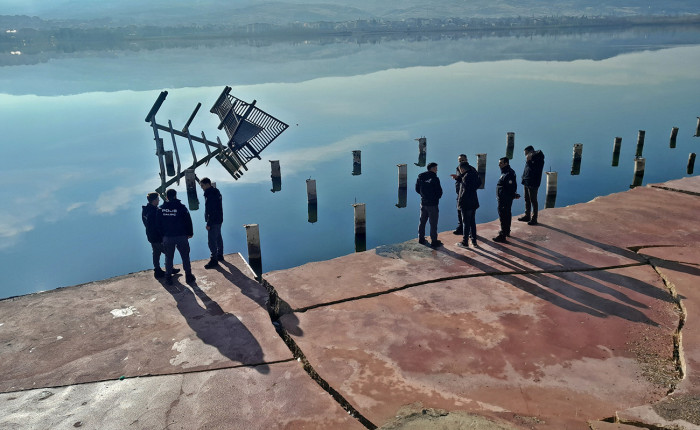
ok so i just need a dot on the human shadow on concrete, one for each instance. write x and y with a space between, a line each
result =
566 289
260 295
217 328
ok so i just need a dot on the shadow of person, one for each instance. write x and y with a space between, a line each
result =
265 295
213 326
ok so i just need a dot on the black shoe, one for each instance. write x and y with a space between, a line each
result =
211 264
463 244
524 218
220 257
176 271
168 280
532 222
435 244
190 278
422 241
474 243
500 239
158 273
458 231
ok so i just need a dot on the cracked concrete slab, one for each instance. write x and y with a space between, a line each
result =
243 398
133 326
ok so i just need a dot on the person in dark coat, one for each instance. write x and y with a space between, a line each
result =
175 224
531 180
468 202
505 193
458 180
148 216
214 217
428 186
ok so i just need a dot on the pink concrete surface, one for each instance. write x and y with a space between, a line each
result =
240 398
133 326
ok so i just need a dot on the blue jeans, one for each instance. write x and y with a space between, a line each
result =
468 224
215 241
183 247
428 213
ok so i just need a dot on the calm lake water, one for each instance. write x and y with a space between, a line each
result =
78 158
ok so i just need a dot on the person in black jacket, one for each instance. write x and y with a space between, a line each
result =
458 181
175 224
214 217
468 202
532 177
148 216
428 186
505 193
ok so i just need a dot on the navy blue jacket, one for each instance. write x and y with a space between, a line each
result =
470 182
532 175
174 219
507 184
213 208
428 186
148 216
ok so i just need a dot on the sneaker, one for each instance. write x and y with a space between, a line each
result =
190 278
458 231
524 218
463 244
435 244
158 273
500 238
422 241
211 264
532 222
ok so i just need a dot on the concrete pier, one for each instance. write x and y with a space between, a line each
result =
575 323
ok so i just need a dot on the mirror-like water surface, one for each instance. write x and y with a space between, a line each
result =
77 164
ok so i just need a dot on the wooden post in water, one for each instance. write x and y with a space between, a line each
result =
510 145
360 227
578 154
551 189
639 163
403 176
252 233
481 169
311 190
640 143
356 162
691 163
276 175
191 186
616 151
674 135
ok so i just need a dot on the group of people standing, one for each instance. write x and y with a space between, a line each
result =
467 182
169 227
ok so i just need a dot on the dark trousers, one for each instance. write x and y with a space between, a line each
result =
505 215
530 195
170 243
468 217
428 213
459 218
215 241
157 250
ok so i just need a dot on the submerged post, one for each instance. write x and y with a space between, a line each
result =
481 169
639 163
578 154
697 128
311 190
313 212
360 227
191 185
403 197
674 135
551 189
510 145
640 143
422 144
616 151
691 163
252 233
276 175
403 176
356 162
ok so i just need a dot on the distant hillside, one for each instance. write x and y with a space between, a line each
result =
238 12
